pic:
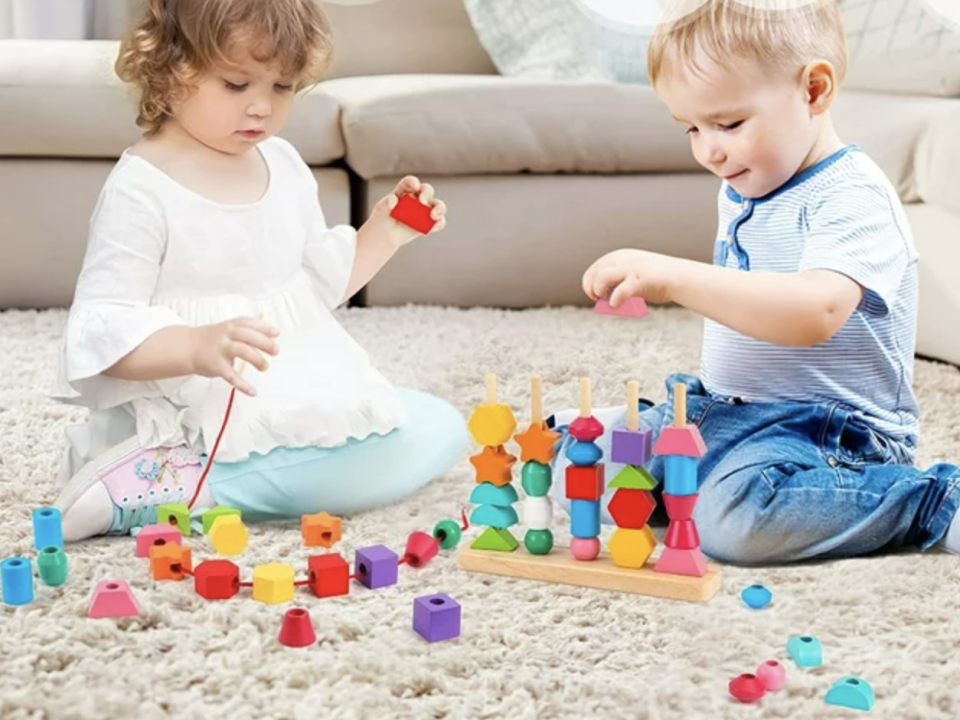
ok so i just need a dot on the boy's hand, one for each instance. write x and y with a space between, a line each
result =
623 274
402 234
215 348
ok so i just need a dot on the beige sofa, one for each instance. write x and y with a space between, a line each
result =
540 177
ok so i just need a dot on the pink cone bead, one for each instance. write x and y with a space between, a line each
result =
585 548
773 674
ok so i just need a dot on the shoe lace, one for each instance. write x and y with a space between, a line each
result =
145 511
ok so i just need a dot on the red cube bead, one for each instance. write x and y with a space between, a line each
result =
217 579
329 575
585 483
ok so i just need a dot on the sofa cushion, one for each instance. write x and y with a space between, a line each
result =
471 124
62 98
465 124
938 161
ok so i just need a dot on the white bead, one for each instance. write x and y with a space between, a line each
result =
537 512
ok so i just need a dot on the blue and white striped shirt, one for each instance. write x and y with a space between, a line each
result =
841 215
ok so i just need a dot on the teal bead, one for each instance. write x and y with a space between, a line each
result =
447 533
538 542
52 566
536 478
489 494
584 454
493 516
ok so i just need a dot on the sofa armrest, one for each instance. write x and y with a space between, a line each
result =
938 161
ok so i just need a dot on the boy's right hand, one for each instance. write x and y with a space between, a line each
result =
215 349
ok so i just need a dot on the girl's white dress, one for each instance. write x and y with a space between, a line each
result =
161 255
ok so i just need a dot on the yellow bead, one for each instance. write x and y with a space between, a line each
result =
229 535
632 548
492 425
273 583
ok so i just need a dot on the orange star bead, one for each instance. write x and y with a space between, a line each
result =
537 443
493 465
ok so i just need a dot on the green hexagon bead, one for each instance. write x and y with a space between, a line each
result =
538 542
536 479
448 533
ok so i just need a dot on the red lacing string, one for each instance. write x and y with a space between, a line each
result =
213 453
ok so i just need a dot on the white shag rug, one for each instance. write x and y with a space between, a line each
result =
527 650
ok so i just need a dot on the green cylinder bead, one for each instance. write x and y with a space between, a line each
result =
536 479
447 532
538 542
52 566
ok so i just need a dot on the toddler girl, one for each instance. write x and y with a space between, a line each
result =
805 398
209 265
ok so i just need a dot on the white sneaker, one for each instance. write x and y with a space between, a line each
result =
118 492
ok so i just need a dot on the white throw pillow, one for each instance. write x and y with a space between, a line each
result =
903 46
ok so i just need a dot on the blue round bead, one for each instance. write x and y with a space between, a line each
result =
756 596
584 454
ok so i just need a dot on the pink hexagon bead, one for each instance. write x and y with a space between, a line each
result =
585 548
157 535
773 674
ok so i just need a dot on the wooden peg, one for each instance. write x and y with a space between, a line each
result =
491 389
633 405
680 405
536 400
584 397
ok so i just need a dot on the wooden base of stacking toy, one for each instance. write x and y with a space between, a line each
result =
560 567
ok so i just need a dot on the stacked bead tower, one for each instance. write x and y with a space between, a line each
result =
492 424
537 445
681 446
585 480
631 506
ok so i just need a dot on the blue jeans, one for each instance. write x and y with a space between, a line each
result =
782 482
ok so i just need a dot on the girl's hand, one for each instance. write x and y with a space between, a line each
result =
425 193
215 348
623 274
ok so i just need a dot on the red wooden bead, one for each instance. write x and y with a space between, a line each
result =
421 549
297 629
747 688
216 579
586 429
329 575
682 534
679 507
631 508
410 211
585 483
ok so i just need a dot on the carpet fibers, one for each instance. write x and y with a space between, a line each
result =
527 650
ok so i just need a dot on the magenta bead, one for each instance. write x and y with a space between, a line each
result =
773 674
585 548
747 688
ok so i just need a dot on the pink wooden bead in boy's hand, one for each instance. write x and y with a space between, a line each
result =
634 307
410 211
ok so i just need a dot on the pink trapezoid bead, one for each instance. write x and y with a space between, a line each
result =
585 548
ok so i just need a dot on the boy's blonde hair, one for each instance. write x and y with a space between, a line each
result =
786 34
176 42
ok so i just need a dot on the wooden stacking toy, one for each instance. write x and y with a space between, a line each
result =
537 446
680 572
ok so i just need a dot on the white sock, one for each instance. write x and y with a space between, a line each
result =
951 541
205 499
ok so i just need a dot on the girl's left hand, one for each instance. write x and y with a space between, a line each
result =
425 193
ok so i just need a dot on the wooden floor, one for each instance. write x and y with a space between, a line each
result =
561 567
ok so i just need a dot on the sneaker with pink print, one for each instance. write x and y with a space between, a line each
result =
119 492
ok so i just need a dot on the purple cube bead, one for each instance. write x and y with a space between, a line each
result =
377 566
631 447
436 617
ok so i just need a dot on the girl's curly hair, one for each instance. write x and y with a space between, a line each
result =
176 42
